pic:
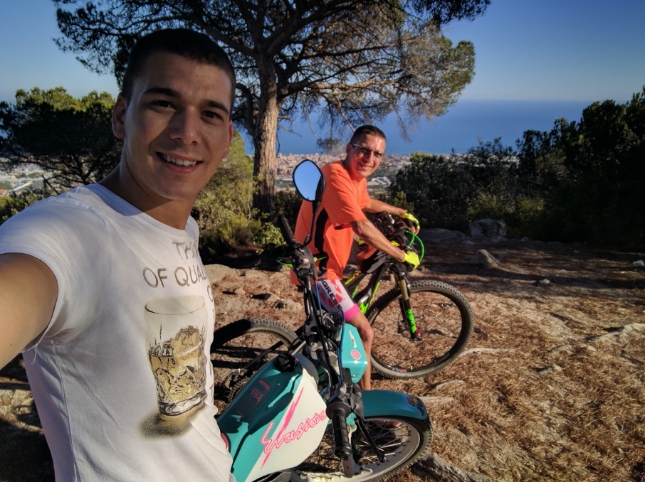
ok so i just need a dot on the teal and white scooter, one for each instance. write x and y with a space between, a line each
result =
302 416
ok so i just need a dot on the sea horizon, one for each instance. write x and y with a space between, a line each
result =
461 128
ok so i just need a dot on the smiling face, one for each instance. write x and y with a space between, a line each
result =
364 156
176 129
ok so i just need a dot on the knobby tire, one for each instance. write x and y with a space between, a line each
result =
444 317
402 439
239 343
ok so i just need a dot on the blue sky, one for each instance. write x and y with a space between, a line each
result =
525 50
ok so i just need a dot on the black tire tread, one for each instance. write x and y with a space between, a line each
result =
425 431
248 325
467 321
427 434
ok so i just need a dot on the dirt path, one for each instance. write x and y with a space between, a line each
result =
549 388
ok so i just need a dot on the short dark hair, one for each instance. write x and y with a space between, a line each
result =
367 130
181 41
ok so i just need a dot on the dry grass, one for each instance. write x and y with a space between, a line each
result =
551 385
563 397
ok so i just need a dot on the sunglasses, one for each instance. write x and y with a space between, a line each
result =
366 151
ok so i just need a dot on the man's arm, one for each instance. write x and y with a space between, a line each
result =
376 206
369 233
28 292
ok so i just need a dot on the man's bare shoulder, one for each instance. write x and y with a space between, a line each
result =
28 293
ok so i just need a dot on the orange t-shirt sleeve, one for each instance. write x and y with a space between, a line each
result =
344 200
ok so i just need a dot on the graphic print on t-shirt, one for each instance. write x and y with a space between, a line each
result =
175 345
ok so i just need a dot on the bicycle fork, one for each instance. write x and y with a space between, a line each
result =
406 308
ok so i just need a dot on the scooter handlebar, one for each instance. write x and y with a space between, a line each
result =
285 229
338 411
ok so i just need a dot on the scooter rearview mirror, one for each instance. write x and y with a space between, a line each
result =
309 181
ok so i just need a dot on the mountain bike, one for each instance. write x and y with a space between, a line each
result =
302 416
420 326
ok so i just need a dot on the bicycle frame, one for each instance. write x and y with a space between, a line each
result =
364 297
380 265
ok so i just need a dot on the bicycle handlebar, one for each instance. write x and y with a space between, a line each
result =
399 233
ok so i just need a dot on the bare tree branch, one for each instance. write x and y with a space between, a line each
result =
349 61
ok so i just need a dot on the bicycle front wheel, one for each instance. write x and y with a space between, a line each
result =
240 349
441 313
402 439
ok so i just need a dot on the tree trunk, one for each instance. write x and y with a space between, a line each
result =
266 128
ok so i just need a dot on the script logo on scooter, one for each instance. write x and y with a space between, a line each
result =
283 437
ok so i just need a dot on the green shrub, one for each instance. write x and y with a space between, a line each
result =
287 203
238 232
487 205
224 213
268 235
528 218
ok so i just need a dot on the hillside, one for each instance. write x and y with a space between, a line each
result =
549 388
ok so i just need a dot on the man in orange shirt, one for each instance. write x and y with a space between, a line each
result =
341 216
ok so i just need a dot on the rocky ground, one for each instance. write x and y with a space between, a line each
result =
550 386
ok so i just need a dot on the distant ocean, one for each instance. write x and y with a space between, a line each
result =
459 129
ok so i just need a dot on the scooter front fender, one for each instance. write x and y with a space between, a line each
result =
383 403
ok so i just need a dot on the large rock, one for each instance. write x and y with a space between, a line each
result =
484 258
216 272
487 228
255 274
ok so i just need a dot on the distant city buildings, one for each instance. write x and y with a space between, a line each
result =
379 182
287 162
30 175
20 178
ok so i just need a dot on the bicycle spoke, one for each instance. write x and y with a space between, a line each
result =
444 325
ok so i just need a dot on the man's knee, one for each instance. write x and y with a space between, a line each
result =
363 326
369 332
